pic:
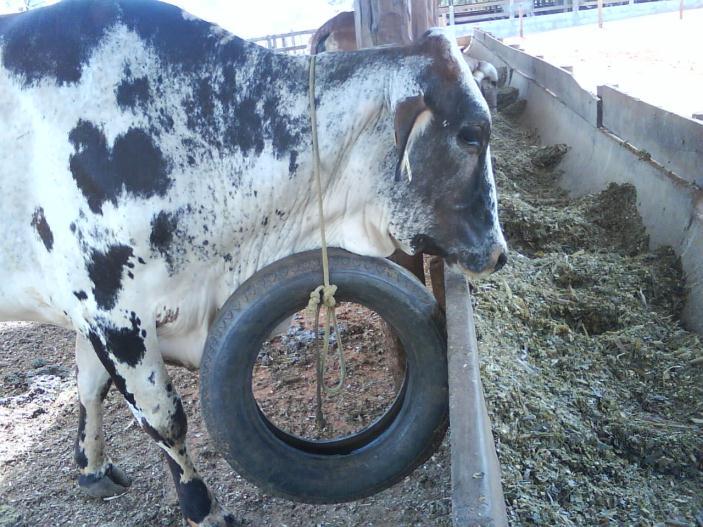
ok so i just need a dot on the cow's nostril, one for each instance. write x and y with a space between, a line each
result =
502 260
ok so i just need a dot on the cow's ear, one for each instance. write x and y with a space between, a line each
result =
406 113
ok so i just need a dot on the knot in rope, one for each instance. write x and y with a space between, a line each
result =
326 292
323 294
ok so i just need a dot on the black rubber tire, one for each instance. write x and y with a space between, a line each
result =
338 470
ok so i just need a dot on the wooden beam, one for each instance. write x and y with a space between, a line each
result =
425 15
380 22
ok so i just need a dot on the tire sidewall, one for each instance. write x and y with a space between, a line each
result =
245 321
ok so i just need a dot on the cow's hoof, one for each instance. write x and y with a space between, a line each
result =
113 482
219 519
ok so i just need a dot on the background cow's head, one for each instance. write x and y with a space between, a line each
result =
444 197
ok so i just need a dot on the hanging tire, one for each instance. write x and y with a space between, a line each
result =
351 467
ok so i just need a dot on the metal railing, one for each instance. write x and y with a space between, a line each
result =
466 11
295 42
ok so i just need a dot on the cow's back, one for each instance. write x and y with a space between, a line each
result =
136 133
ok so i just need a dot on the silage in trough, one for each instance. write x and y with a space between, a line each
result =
594 387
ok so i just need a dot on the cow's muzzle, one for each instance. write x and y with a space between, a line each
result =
478 265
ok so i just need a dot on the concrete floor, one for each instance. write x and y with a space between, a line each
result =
655 58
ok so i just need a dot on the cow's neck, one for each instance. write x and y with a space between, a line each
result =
357 156
357 150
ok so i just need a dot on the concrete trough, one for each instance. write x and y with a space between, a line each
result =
665 166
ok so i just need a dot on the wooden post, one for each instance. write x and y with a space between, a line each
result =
519 15
424 15
680 9
600 14
381 22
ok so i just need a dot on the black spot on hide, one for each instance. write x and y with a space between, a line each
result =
293 163
180 41
163 228
105 271
80 295
132 93
179 421
134 165
154 434
57 41
101 352
250 110
126 343
78 452
42 227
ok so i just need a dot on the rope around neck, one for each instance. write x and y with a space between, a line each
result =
323 295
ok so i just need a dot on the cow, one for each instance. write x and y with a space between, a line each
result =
486 76
152 162
339 34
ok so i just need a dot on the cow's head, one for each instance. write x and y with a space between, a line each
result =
444 200
486 76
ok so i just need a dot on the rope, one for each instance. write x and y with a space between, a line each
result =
323 295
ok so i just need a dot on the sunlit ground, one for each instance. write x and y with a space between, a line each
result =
656 58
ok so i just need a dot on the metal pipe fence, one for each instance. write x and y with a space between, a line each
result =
294 42
467 11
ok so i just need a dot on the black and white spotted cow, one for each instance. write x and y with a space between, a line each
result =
150 162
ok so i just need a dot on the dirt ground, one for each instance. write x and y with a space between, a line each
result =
285 375
594 388
655 58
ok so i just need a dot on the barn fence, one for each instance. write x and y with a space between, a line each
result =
465 12
295 42
460 12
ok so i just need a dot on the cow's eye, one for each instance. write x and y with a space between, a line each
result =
471 136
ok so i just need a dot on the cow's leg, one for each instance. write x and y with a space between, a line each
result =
99 477
130 353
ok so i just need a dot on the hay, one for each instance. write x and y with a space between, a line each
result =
594 387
